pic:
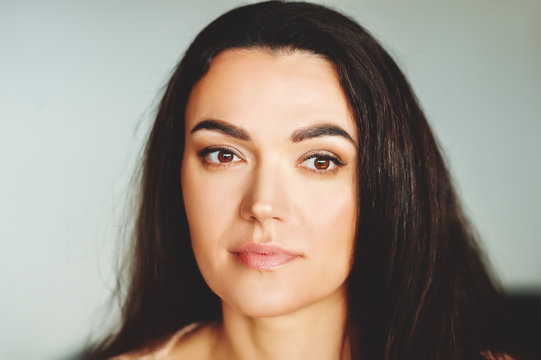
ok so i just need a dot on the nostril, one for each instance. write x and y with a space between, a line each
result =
261 211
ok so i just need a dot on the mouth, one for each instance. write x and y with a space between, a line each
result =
262 257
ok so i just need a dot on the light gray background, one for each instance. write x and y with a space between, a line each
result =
79 82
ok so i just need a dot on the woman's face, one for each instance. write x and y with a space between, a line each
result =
268 179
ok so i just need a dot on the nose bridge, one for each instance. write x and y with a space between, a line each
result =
266 195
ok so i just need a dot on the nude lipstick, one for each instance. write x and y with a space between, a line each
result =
262 257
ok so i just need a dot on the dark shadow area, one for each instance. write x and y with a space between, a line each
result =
518 327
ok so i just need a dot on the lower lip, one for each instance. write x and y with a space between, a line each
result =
259 261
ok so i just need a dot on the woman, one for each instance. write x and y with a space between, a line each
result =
295 205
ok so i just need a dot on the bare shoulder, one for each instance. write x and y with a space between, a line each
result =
195 344
147 353
489 355
191 342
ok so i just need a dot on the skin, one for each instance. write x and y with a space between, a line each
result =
261 178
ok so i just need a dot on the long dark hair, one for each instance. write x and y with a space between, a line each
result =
418 288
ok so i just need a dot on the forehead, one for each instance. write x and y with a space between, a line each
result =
260 90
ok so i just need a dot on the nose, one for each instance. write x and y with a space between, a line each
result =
266 196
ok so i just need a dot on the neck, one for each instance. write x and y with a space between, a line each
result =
314 332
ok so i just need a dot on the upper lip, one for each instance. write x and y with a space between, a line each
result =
267 249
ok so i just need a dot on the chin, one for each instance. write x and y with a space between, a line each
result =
264 304
272 294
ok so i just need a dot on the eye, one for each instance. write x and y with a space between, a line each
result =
218 155
221 156
322 162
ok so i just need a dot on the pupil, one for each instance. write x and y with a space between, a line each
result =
322 164
225 156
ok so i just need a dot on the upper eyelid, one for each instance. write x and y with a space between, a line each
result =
210 149
335 168
330 154
308 155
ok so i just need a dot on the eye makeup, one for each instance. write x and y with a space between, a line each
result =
219 156
321 162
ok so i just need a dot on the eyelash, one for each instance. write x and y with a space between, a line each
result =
322 155
203 154
337 163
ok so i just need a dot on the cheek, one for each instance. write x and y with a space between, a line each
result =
331 210
329 219
210 202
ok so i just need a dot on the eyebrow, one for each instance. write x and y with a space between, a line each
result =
224 128
299 135
320 130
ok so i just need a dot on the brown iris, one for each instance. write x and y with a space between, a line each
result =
322 164
224 156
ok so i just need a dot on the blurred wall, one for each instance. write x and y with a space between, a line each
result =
79 83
